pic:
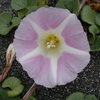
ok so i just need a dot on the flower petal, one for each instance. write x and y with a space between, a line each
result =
23 47
25 31
33 65
35 27
48 18
72 26
39 69
65 72
77 62
72 50
78 41
52 70
31 54
74 34
71 62
63 24
48 74
45 18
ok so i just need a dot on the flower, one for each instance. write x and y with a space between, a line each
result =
52 46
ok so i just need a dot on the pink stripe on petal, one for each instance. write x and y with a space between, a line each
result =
74 34
46 18
46 77
78 41
49 18
25 31
22 47
73 26
77 62
33 65
39 69
65 72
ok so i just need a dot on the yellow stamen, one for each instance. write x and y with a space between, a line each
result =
52 41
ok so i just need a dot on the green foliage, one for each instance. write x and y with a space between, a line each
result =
5 18
23 7
76 96
93 18
90 97
81 96
4 29
88 15
42 2
16 21
95 43
93 29
72 5
32 98
4 95
32 2
14 84
22 13
18 4
7 22
31 9
26 6
98 19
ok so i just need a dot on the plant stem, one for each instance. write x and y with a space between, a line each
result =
29 92
81 6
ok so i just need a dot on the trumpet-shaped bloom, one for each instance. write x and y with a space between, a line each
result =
52 46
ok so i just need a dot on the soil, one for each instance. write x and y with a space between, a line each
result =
88 81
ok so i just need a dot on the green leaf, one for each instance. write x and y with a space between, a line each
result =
61 4
14 84
72 5
94 30
76 96
98 19
95 43
31 9
5 18
90 97
27 10
32 2
16 21
22 13
42 2
16 91
32 98
88 15
4 29
18 4
4 95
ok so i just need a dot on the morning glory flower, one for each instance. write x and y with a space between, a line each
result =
51 46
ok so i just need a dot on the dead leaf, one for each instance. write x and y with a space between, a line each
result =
10 55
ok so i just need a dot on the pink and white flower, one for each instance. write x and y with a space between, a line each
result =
52 46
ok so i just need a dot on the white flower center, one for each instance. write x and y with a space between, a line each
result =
50 44
52 41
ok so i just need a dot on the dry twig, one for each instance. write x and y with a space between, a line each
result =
29 92
10 55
